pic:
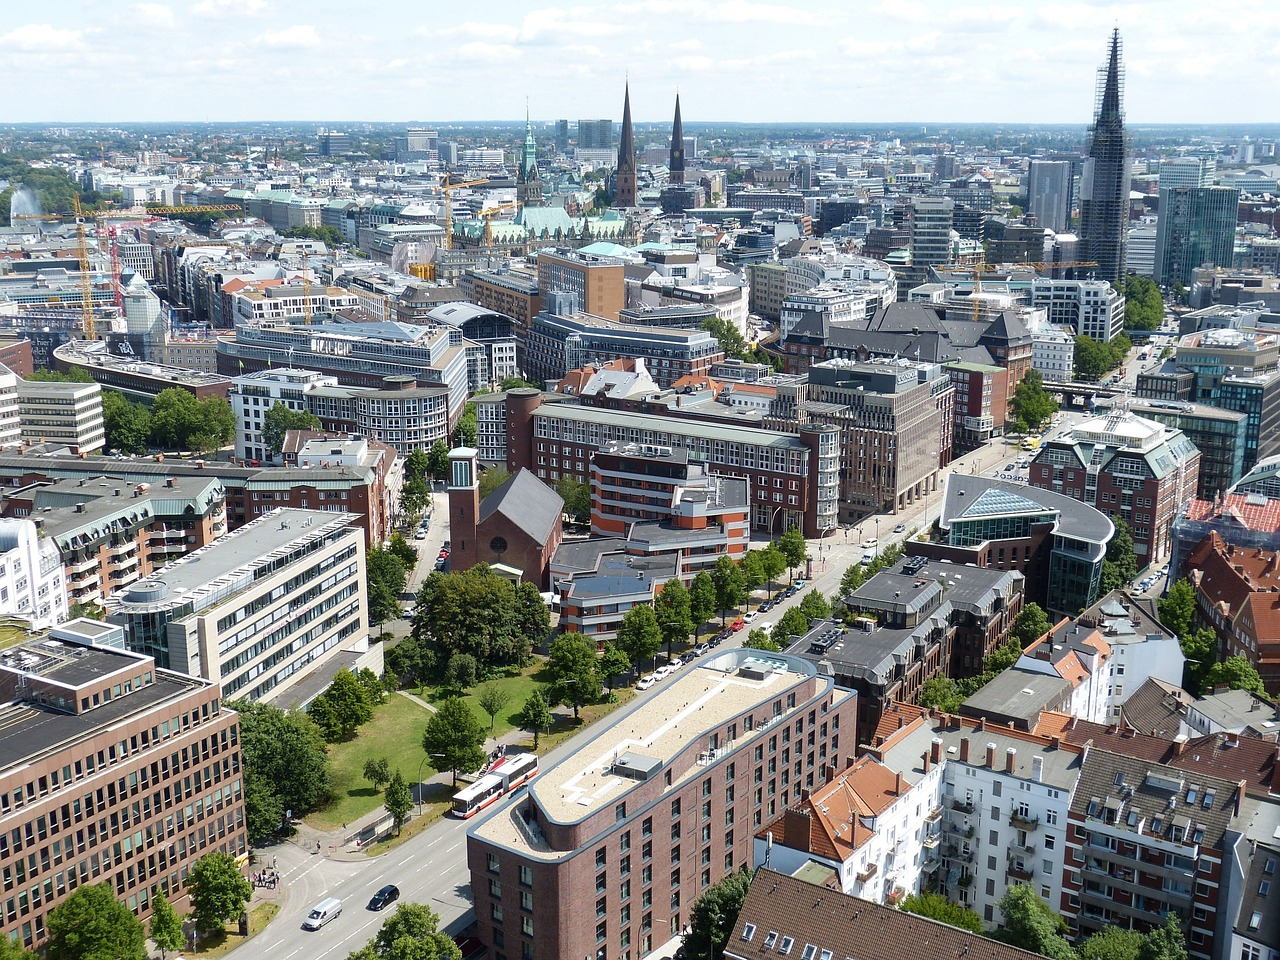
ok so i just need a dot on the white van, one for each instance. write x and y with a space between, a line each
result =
322 913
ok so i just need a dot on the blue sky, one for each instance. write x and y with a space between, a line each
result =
735 60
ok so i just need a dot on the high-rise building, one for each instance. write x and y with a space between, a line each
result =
626 169
528 179
1104 192
1049 193
1197 227
562 136
675 166
1187 172
595 134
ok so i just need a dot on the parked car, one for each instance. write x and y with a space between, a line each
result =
420 535
702 648
385 897
750 615
737 624
647 681
766 606
441 562
799 584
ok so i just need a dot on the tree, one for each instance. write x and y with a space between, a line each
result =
1120 552
941 693
284 758
493 697
464 434
937 907
792 624
1094 359
127 424
1143 305
702 599
477 612
1032 624
218 891
530 622
341 709
1177 608
772 562
732 342
377 771
640 636
1032 404
180 421
752 567
384 575
714 915
1165 942
574 671
516 383
438 461
1003 657
374 685
454 738
854 577
758 639
166 926
814 606
74 375
576 496
87 609
613 664
673 613
92 924
398 801
280 419
413 933
403 550
460 673
1031 925
535 716
1238 673
1201 650
263 809
794 549
730 584
492 479
1111 943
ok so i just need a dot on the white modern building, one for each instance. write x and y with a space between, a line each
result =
33 584
1140 257
260 609
1053 353
253 394
1092 308
836 305
10 416
62 414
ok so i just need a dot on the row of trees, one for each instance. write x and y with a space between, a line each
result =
1143 305
1203 670
386 573
176 420
347 703
1033 406
286 767
1096 358
421 468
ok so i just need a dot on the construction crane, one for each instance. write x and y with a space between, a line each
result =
110 232
306 291
488 215
86 285
162 211
448 189
1039 266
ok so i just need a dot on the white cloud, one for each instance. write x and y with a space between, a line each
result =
300 36
42 38
229 8
154 14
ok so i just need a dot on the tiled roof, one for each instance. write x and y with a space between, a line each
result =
1232 578
780 908
1156 708
1251 510
528 503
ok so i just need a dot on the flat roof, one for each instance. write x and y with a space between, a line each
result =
970 498
711 431
74 353
1017 693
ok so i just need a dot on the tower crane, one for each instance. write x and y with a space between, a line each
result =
86 285
488 215
448 189
1039 266
110 232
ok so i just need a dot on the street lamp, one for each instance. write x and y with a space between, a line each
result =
421 791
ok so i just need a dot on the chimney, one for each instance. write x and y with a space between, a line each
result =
982 725
1037 769
964 749
935 750
991 756
925 762
170 481
1010 758
897 784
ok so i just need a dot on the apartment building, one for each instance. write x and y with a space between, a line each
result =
659 806
1092 308
114 771
33 584
259 609
981 402
1247 520
62 414
511 293
598 283
10 415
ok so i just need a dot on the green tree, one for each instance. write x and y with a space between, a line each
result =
1032 404
732 342
492 479
714 915
1003 657
815 606
1120 552
673 613
460 672
398 800
284 756
454 738
702 599
402 550
1165 942
794 549
535 716
87 609
574 671
516 383
773 563
530 622
1031 925
377 770
74 375
263 809
576 496
342 708
759 639
180 421
475 611
793 623
166 926
1111 943
937 907
493 697
464 434
1177 608
280 419
1238 673
941 693
639 634
730 584
1032 624
413 933
1143 305
127 424
414 495
1095 359
613 664
752 566
92 924
218 891
854 577
1201 650
438 461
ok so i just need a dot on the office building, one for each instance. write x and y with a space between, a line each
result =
659 806
625 171
1049 194
1182 172
562 137
1220 435
114 771
1092 308
1127 467
1104 189
1053 353
334 144
595 135
1197 228
62 414
1140 258
259 609
136 379
597 282
10 413
33 584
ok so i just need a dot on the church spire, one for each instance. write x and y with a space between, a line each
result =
626 193
528 178
675 165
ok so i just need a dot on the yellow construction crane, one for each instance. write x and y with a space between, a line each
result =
86 285
488 215
306 291
157 210
448 189
1038 265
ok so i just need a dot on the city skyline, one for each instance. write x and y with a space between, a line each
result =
924 61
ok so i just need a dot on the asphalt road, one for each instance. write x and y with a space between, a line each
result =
431 867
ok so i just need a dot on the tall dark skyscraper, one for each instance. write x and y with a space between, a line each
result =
1104 191
675 165
626 194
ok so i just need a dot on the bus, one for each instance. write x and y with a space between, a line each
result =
499 780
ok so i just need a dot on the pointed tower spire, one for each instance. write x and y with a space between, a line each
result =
626 193
1104 182
1112 84
528 177
676 163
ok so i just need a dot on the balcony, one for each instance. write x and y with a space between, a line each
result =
1020 871
957 853
931 841
122 549
1023 821
1025 849
868 873
962 806
933 816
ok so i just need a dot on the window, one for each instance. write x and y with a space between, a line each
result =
1255 920
602 884
646 828
770 940
1049 841
748 931
493 863
601 858
526 876
810 952
620 812
787 944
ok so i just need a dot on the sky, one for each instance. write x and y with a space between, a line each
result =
850 61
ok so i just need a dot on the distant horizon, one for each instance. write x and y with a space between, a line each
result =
225 60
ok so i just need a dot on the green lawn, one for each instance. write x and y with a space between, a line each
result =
518 688
395 732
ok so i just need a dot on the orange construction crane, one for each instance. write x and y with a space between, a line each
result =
110 232
448 189
86 285
488 215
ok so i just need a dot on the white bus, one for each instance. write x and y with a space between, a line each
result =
502 778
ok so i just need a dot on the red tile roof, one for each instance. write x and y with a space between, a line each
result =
1249 510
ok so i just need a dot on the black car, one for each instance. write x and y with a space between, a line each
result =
385 897
766 606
